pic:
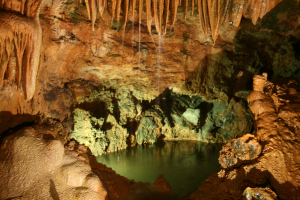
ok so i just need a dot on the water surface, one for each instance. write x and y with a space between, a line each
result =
185 164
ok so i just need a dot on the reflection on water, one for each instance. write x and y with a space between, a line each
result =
185 164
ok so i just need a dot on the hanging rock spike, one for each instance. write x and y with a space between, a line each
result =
160 13
125 11
174 7
133 7
93 13
148 15
20 41
156 21
101 5
201 17
87 4
113 8
118 9
7 42
184 5
141 4
193 6
166 15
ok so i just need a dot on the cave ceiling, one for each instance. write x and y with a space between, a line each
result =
54 52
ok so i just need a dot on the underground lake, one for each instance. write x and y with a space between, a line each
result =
185 164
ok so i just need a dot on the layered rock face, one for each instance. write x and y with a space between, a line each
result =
274 172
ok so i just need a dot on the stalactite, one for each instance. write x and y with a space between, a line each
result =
113 8
148 15
237 12
166 15
87 4
27 6
205 16
133 8
93 13
125 11
1 4
156 21
184 5
22 7
118 9
160 13
174 7
201 16
7 49
101 5
20 41
193 6
27 65
214 17
141 4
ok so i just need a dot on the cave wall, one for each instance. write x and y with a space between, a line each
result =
157 82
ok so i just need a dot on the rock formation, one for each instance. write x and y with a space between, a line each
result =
142 71
277 168
212 14
20 38
34 167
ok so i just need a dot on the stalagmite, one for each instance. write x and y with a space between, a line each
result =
166 15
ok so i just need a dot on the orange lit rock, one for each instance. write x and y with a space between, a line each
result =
259 193
277 128
245 148
162 184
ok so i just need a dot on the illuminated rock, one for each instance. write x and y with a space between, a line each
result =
236 151
276 118
35 168
20 32
259 193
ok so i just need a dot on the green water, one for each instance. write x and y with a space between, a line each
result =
185 164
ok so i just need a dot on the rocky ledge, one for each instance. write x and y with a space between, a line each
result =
265 165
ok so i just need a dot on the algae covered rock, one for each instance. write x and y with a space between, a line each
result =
192 115
85 131
100 135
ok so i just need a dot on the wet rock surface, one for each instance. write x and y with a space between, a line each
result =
278 164
236 151
259 193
